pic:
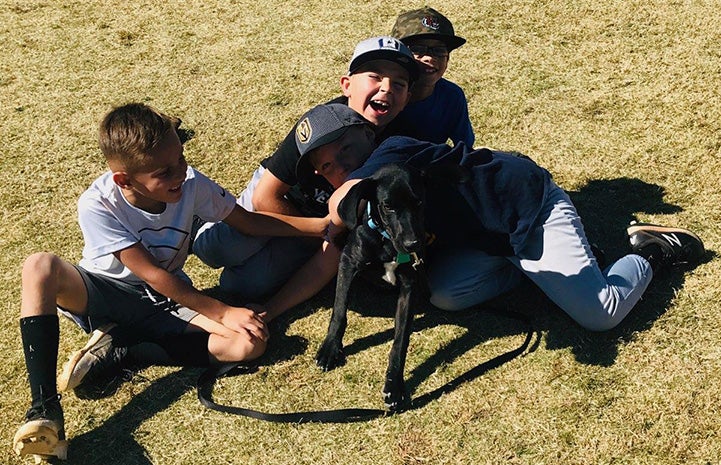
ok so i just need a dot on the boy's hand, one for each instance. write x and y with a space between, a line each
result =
242 319
323 225
336 234
260 310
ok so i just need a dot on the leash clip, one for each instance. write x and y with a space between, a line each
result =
417 261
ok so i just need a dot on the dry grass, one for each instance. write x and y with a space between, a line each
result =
620 100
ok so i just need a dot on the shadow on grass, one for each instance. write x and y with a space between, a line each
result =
606 206
114 441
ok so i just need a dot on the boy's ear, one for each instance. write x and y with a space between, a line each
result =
345 85
122 179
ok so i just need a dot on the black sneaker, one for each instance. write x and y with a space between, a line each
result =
43 433
678 246
98 369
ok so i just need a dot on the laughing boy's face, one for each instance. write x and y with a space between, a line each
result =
378 90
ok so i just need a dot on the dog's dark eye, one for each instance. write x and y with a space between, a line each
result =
386 208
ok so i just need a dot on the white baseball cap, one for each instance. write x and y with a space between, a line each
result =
384 48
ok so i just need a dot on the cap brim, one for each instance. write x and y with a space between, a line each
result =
452 42
408 63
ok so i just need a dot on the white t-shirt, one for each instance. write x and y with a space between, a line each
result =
109 224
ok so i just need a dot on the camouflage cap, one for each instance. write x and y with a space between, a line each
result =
426 23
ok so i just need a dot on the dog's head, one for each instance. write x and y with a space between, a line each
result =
395 195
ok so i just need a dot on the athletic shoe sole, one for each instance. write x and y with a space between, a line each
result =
39 438
641 227
72 375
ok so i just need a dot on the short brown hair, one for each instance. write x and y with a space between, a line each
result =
128 133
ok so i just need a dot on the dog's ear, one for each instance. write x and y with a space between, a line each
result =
447 172
348 207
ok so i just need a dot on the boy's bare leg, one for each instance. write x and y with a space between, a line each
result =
46 282
49 282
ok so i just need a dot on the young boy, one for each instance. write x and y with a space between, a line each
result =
376 88
438 110
136 222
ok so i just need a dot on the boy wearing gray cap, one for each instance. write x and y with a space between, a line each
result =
438 108
375 90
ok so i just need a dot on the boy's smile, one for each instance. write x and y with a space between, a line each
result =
160 180
431 62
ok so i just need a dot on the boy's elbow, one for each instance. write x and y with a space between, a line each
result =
268 203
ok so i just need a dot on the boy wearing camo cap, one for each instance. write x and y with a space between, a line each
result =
438 108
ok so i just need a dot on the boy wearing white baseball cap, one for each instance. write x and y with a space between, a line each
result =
376 87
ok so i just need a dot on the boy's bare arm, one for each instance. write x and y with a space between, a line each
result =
316 272
145 267
269 195
275 224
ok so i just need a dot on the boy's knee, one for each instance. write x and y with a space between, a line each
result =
40 265
599 324
446 301
236 349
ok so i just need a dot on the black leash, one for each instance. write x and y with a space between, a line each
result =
205 389
207 379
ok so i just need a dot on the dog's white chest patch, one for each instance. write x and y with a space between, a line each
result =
401 258
390 274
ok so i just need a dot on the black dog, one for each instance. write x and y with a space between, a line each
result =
387 210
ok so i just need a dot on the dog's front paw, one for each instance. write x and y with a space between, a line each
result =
330 355
394 395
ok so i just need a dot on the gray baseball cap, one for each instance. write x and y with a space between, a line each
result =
322 125
384 48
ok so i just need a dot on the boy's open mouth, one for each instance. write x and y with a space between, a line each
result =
381 107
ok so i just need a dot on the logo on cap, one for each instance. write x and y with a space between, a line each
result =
304 131
431 22
389 42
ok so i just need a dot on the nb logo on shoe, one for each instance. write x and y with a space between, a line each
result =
672 239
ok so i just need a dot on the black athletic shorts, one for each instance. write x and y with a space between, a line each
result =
140 311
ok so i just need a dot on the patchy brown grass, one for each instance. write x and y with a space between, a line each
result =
620 100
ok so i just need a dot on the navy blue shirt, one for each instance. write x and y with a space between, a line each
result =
441 116
495 210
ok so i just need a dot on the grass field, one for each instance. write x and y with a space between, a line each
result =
619 100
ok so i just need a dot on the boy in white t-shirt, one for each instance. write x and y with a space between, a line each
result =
136 221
